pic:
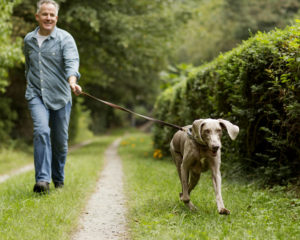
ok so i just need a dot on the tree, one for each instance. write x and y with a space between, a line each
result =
123 46
10 54
220 25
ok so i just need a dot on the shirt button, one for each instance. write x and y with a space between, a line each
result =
42 89
41 80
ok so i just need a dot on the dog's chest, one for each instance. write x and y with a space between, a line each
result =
200 165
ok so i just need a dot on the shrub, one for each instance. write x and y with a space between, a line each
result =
256 86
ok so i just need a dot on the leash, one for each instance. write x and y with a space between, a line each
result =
131 112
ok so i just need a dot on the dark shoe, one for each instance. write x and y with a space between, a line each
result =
41 187
59 184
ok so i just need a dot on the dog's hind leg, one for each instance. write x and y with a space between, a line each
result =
185 197
177 158
194 179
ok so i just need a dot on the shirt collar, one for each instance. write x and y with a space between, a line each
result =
52 34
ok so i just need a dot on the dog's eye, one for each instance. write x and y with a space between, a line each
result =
219 131
207 131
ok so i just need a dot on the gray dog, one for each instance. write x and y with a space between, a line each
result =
195 150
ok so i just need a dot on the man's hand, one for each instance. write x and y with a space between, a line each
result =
76 89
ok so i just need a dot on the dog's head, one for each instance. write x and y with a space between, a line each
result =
209 131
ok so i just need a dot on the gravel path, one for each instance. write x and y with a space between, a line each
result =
104 216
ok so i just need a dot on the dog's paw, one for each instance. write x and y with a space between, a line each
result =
191 206
224 211
184 199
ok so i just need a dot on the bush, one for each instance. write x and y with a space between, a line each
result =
256 86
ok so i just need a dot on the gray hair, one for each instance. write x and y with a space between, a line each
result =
41 2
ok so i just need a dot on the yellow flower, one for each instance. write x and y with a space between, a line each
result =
157 153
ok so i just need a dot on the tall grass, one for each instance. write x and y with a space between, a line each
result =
155 211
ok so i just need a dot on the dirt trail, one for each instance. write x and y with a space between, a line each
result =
104 216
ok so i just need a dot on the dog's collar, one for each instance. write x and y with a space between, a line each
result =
190 135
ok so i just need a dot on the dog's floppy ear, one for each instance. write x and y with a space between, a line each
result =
232 129
196 129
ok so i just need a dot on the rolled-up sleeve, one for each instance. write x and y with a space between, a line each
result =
71 57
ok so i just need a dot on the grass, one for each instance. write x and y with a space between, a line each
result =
155 211
83 131
12 158
26 215
16 154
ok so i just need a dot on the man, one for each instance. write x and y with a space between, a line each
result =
51 70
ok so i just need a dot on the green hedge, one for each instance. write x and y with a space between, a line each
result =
256 86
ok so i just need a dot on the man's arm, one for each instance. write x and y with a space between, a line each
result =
71 62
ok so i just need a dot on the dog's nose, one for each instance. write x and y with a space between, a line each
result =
215 148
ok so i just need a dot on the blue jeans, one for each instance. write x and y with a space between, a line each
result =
50 140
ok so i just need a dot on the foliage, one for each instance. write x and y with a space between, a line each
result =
219 25
125 44
256 86
155 211
80 132
10 54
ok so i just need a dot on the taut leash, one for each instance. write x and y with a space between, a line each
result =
131 112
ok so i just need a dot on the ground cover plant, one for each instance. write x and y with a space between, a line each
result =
26 215
155 211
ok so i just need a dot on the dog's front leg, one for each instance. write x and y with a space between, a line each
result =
216 177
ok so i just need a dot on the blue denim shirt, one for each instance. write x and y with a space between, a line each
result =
48 68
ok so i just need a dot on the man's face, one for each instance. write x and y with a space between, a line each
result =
46 18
